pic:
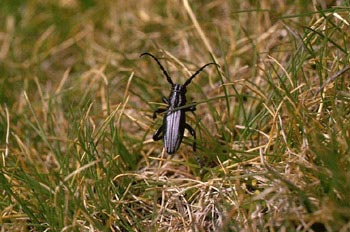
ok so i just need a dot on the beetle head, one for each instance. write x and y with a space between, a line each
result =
177 95
179 88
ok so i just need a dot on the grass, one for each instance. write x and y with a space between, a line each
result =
272 122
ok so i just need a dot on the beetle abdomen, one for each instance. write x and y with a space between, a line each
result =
174 130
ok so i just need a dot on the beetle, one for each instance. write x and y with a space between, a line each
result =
174 121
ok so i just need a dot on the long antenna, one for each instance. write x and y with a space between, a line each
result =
161 67
197 72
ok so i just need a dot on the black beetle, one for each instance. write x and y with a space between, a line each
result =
174 122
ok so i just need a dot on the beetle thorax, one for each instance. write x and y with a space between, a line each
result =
177 96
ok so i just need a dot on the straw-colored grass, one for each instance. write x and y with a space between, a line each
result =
272 122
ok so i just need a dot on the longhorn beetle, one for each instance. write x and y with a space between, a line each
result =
174 122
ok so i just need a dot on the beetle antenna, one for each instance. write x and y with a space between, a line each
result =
161 67
197 72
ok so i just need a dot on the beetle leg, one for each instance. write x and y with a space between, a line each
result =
158 111
165 100
191 108
157 135
193 133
